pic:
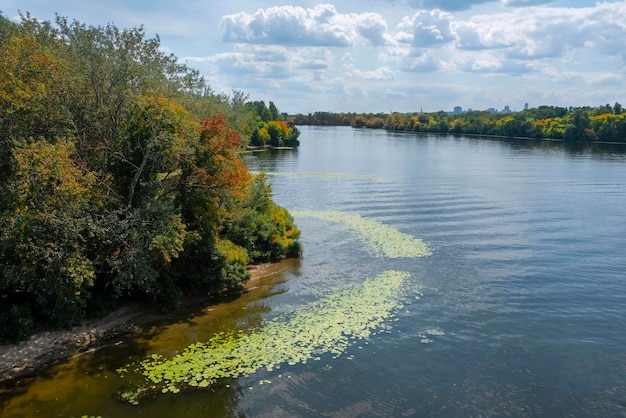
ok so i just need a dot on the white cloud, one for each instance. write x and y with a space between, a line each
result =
347 57
595 78
475 34
379 54
250 62
372 27
489 63
524 3
426 28
423 62
382 73
294 25
261 67
518 43
353 90
450 5
289 25
540 32
606 26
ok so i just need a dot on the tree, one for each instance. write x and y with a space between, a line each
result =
273 111
579 127
260 109
276 135
45 224
32 79
264 229
256 139
119 172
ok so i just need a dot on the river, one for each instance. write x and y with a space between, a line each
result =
518 309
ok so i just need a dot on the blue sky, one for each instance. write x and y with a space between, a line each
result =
383 55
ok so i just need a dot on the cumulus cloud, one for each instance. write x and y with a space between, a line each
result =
312 58
459 5
490 64
450 5
267 61
372 27
426 28
424 62
382 73
515 42
595 78
543 32
606 25
524 3
291 48
294 25
478 35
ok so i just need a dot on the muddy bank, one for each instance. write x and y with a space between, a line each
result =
47 348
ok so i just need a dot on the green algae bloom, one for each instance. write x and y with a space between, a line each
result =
327 326
382 240
338 176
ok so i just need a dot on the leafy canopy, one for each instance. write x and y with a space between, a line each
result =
120 177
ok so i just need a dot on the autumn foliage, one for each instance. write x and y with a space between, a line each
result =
604 123
120 177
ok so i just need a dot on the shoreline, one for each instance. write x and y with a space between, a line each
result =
47 348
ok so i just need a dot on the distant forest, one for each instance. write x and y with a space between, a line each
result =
121 177
600 124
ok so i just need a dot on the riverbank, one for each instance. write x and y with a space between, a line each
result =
47 348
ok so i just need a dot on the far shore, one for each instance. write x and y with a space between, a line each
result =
46 348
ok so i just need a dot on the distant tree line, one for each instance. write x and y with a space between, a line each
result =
604 123
121 177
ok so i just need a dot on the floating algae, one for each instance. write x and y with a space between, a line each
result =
382 240
329 325
338 176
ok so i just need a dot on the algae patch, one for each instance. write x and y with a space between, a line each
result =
381 239
329 325
338 176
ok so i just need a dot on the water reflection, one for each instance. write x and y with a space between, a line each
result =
599 150
87 383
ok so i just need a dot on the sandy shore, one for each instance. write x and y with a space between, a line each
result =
46 348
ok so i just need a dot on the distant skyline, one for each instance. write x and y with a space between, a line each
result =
377 55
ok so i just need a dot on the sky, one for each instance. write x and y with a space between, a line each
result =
382 55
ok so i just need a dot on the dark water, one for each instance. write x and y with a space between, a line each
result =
521 309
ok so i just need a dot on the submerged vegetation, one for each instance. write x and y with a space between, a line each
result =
382 240
338 176
121 177
328 326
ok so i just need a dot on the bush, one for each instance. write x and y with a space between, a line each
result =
16 322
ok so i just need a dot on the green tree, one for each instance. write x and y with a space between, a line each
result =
264 229
119 172
32 81
579 127
274 115
45 224
260 109
256 139
276 135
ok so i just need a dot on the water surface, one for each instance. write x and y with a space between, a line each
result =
519 311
